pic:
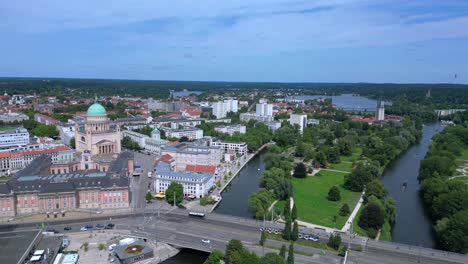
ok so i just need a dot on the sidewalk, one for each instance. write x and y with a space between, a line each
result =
353 214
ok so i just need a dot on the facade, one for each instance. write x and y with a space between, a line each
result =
191 133
35 191
44 108
313 122
194 183
246 117
97 133
231 129
380 111
264 109
14 138
67 133
240 148
232 105
446 112
134 120
273 125
298 119
14 161
11 117
220 109
44 119
222 120
187 153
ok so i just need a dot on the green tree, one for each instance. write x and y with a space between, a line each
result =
300 171
176 188
371 217
286 209
295 232
272 258
344 210
282 252
72 143
262 238
294 212
287 229
215 257
291 254
149 196
376 188
334 241
334 194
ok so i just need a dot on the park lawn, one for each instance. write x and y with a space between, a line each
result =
342 166
310 196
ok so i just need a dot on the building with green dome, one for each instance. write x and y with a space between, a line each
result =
97 134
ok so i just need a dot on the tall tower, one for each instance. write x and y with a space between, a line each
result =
380 111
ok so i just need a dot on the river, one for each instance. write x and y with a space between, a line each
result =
412 225
236 196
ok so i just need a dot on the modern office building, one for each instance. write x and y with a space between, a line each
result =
188 153
14 138
299 119
240 147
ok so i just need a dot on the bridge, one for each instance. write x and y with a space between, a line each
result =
175 227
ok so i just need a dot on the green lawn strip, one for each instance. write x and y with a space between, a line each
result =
386 233
310 196
302 242
295 251
3 128
342 166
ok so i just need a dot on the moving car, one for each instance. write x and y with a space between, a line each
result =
67 228
99 226
206 241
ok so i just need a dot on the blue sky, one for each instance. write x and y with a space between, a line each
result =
406 41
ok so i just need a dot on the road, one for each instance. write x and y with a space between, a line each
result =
139 186
175 227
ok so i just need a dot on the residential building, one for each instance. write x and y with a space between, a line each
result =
11 117
222 120
298 119
152 144
134 120
17 99
232 105
231 129
97 133
45 119
186 153
44 108
189 132
446 112
273 125
380 111
14 138
194 183
313 122
264 109
220 109
246 117
67 133
240 148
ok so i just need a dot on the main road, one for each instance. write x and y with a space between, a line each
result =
175 227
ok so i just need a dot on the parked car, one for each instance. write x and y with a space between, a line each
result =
67 228
99 226
52 230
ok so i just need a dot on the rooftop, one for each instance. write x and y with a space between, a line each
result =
15 244
164 169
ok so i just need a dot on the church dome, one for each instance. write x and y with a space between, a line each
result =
96 110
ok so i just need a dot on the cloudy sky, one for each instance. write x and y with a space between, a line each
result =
237 40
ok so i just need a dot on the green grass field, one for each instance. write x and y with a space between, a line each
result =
3 128
342 166
310 196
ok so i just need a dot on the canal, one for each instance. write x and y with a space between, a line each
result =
236 195
412 225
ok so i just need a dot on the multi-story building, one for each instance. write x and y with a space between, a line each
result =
12 117
220 109
189 132
446 112
151 144
14 138
380 111
11 162
35 192
298 119
264 109
232 105
231 129
195 183
186 153
97 133
240 147
67 133
313 122
44 108
273 125
44 119
246 117
222 120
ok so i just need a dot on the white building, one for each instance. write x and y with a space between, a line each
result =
12 117
313 122
380 111
152 144
232 105
14 138
187 153
264 109
246 117
191 133
240 148
298 119
135 137
197 184
67 133
273 125
231 129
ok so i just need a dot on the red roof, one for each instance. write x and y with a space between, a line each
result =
200 168
164 158
33 152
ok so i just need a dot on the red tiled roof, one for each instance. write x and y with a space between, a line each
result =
33 152
200 168
164 158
